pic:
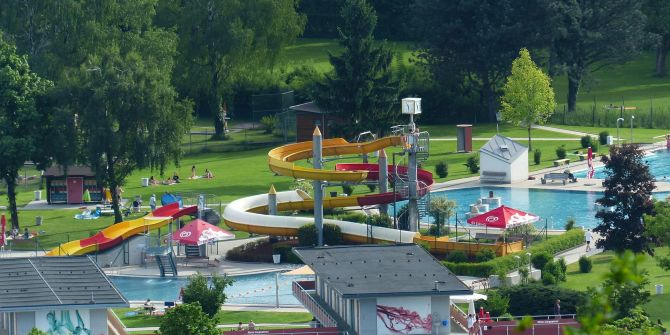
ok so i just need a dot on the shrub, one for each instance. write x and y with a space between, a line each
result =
347 189
570 223
269 123
548 278
535 299
485 255
302 185
585 264
560 152
602 137
594 146
250 252
442 169
307 236
372 187
187 319
209 292
586 141
380 220
36 331
457 257
496 304
473 164
554 273
525 274
537 156
287 255
563 269
353 217
434 230
540 260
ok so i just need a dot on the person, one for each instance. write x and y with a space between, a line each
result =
471 324
136 205
152 180
152 202
119 193
193 172
149 307
175 177
252 325
588 237
557 308
208 174
571 176
239 326
181 295
478 326
26 234
481 312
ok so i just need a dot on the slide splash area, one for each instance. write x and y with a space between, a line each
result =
115 234
250 213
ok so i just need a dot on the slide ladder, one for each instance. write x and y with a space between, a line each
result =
166 264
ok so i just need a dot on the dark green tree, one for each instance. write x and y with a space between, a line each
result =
628 186
658 230
471 43
658 23
187 319
209 293
589 35
361 86
20 118
223 41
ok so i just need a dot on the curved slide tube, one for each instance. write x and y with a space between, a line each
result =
249 213
115 234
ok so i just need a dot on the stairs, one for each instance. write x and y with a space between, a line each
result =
166 265
192 251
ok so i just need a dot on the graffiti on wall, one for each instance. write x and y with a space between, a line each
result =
64 322
411 315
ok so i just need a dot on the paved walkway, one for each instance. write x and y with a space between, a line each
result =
561 130
513 138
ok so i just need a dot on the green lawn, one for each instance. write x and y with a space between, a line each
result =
489 130
658 308
223 317
640 135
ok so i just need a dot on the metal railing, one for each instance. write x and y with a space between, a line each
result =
301 293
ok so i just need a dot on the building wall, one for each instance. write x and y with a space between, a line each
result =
493 164
305 123
519 168
440 310
367 309
25 321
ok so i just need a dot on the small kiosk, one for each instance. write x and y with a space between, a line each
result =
69 187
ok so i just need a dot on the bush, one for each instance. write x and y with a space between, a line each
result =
586 141
442 169
473 164
187 319
585 264
602 137
563 269
535 299
307 236
594 146
269 123
548 278
353 217
540 260
287 255
209 292
347 189
560 152
485 255
250 252
495 304
537 156
570 223
380 220
554 273
457 257
372 187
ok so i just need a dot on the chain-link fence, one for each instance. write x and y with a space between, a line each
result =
598 114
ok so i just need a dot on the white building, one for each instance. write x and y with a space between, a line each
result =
503 160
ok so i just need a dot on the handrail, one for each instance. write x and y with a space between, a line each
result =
313 306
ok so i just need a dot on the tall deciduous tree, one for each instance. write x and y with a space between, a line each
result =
476 40
527 95
221 41
187 319
361 86
658 229
20 118
209 296
658 23
627 199
130 115
589 35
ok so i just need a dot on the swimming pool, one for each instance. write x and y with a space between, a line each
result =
658 161
553 205
248 289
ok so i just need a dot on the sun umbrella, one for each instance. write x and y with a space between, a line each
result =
503 217
199 232
304 270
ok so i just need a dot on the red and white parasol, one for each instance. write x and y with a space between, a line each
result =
503 217
199 232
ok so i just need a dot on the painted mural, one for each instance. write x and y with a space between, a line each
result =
64 322
409 315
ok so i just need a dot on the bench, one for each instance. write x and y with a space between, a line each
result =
583 156
560 176
560 162
492 176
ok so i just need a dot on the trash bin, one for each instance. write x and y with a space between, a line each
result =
659 289
145 182
38 195
276 258
333 194
38 220
610 140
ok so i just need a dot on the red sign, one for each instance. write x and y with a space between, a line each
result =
3 223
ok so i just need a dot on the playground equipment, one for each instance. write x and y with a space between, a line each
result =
115 234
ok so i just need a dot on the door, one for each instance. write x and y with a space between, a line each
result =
75 190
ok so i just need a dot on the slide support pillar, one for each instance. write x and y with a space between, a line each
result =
413 204
383 179
272 201
318 184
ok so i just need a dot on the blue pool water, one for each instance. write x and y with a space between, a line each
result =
554 206
249 289
659 166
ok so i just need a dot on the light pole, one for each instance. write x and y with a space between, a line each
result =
530 264
518 261
632 117
618 139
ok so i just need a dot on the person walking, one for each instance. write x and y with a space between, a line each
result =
588 238
478 326
252 325
471 324
557 309
152 202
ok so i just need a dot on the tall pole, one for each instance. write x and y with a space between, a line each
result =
383 178
272 201
632 117
618 139
413 205
317 184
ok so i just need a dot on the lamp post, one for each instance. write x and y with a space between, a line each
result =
632 117
618 139
530 265
518 261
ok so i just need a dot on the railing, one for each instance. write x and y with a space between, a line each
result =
300 289
544 327
458 316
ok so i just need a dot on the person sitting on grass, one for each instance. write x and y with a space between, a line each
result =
208 174
149 307
152 181
175 177
26 234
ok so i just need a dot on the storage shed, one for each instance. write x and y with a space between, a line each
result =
503 160
68 187
309 115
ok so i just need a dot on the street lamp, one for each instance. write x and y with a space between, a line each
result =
530 265
632 117
618 139
518 261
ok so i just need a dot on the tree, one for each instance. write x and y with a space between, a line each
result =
131 116
589 35
627 199
658 24
658 230
36 331
222 41
361 86
187 319
441 209
471 43
527 95
208 293
20 89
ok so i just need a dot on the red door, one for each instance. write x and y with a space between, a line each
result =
75 190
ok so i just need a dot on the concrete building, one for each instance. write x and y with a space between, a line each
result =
503 160
58 295
378 289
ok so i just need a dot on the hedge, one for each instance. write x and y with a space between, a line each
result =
537 299
553 246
